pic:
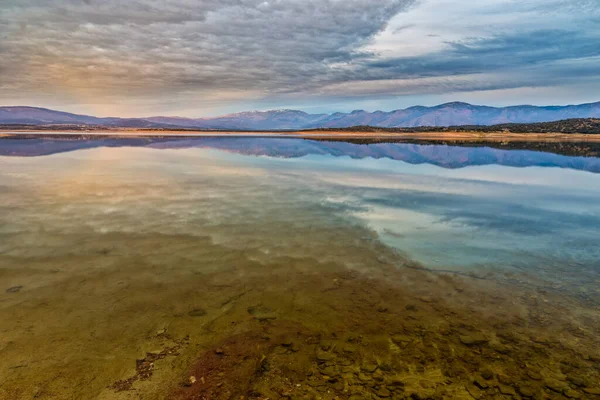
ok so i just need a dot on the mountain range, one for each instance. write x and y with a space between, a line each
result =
444 115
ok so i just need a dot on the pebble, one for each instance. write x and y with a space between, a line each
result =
572 394
473 339
197 312
14 289
487 374
364 377
499 347
325 355
474 391
534 375
480 383
555 386
526 391
507 390
368 366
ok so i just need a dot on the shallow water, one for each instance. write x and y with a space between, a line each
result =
278 267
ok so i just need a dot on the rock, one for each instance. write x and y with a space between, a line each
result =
401 340
364 378
572 394
505 379
487 374
595 391
526 391
261 313
326 345
383 392
534 375
576 380
325 356
382 308
499 347
14 289
474 391
474 339
368 366
397 382
480 383
197 312
330 371
556 386
507 390
348 349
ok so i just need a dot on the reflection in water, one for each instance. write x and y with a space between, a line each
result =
319 269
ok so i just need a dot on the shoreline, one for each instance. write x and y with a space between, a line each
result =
316 134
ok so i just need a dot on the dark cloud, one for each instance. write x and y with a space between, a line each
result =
182 51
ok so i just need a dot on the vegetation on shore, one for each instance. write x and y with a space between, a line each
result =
567 126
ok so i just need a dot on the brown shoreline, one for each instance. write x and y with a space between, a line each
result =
322 134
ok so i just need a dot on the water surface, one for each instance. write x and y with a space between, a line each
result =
114 250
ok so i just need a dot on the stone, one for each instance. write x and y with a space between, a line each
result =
507 390
330 371
534 375
401 340
595 391
572 394
556 386
325 355
368 366
261 313
526 391
383 392
480 383
14 289
364 377
474 391
474 339
499 347
487 374
197 312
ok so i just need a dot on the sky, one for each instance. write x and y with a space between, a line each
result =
198 58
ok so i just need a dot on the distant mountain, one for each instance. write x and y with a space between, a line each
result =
444 115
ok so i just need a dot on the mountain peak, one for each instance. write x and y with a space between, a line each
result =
455 104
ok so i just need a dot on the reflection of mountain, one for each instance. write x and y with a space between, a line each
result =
441 155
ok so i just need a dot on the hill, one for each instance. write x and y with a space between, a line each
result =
444 115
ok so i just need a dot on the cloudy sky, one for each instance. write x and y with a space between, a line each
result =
208 57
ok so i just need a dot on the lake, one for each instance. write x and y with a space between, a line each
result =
288 268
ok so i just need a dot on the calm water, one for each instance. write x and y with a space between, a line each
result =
84 223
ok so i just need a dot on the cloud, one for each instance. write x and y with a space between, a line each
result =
174 55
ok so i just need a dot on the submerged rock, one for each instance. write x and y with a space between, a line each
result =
262 313
197 312
368 366
14 289
474 339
